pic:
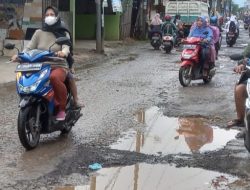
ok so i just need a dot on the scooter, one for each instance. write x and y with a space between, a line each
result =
231 38
156 40
191 67
167 43
37 106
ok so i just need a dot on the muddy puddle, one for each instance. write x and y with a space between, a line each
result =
165 135
155 177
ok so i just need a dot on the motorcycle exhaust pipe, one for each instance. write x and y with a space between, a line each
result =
212 72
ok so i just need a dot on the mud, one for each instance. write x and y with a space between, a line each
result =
113 89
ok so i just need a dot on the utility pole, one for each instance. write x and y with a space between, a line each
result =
230 7
99 27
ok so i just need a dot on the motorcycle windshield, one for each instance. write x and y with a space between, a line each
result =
35 55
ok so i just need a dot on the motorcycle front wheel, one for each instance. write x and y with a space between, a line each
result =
184 77
28 133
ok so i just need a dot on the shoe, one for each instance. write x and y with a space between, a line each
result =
78 105
235 123
241 135
60 116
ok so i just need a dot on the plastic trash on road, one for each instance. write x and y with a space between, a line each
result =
95 166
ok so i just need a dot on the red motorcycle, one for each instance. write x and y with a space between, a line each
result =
191 62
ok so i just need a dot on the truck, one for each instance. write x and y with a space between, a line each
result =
189 10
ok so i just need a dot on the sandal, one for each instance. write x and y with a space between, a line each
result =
236 123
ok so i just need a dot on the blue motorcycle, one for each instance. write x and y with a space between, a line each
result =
37 106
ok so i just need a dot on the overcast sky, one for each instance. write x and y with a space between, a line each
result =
240 2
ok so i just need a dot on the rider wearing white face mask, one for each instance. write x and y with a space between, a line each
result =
42 40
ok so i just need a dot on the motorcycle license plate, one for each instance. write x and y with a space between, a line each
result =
167 38
230 35
187 46
26 67
155 38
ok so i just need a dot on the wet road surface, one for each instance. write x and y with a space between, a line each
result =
140 124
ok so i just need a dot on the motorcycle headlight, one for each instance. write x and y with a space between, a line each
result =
29 89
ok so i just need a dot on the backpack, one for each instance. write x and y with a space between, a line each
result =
168 28
232 26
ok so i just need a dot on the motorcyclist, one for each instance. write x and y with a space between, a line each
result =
201 30
169 28
42 40
155 25
232 26
214 23
177 19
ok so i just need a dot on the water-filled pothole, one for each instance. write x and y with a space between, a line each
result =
156 177
167 135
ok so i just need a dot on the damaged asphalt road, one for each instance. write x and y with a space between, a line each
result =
137 119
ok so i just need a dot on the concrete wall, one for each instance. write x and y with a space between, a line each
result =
86 27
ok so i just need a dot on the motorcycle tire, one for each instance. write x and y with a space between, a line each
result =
207 80
247 134
183 78
69 116
29 136
168 50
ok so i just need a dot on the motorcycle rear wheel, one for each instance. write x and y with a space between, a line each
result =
29 135
68 126
184 79
207 80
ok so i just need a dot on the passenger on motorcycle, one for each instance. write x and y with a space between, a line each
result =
155 25
169 28
201 30
42 40
216 33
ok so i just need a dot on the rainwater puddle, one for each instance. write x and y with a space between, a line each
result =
165 135
156 177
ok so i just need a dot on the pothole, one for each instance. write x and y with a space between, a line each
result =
159 177
167 135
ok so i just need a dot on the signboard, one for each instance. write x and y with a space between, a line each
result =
117 5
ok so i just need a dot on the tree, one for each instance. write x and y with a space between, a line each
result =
235 8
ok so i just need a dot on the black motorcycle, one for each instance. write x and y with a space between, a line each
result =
231 38
156 40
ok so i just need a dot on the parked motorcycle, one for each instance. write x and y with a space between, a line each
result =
167 43
156 40
191 68
37 106
231 38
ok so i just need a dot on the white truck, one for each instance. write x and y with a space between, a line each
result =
189 10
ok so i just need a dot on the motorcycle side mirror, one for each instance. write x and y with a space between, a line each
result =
9 46
236 57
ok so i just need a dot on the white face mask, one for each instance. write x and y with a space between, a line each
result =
50 20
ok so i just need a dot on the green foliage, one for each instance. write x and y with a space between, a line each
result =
235 8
